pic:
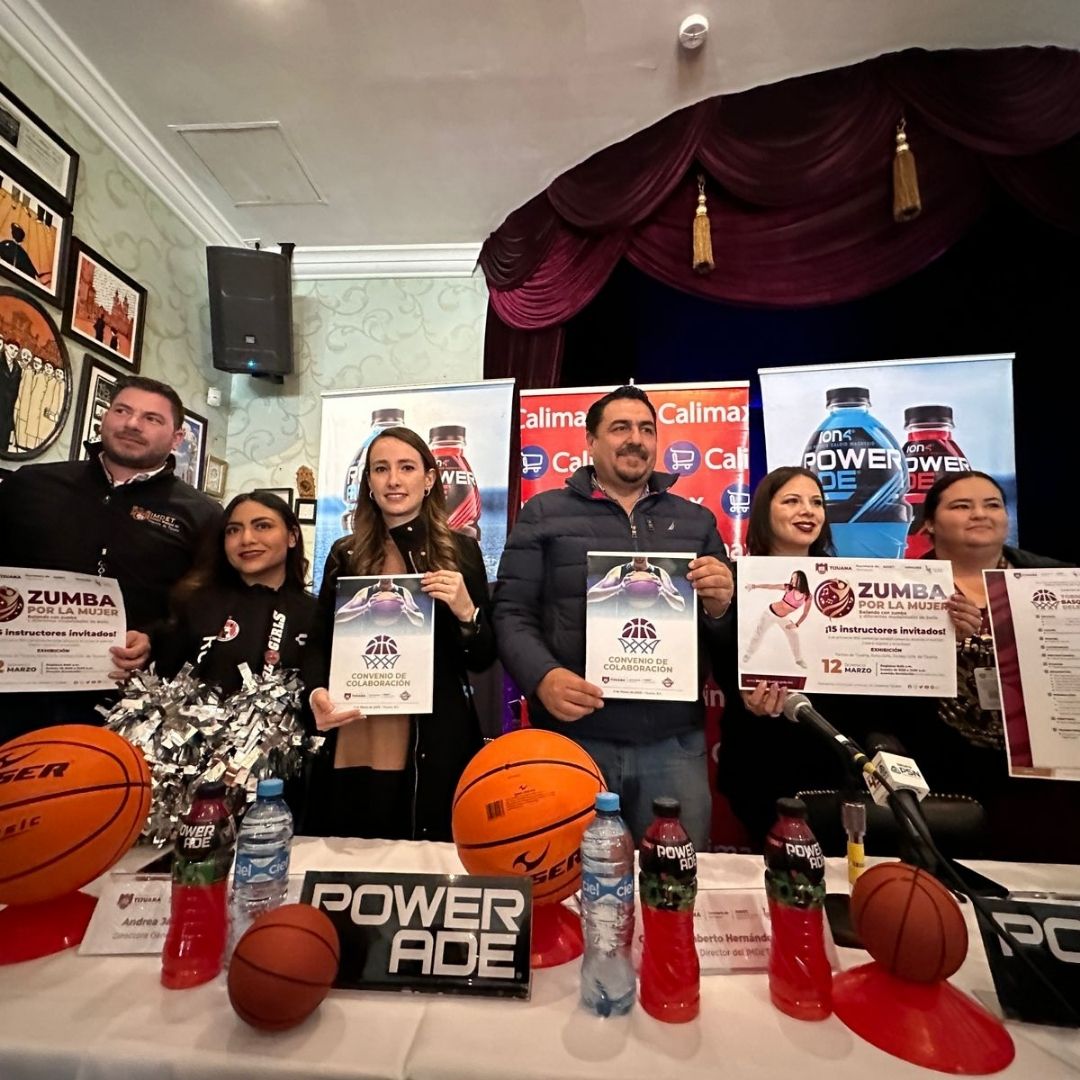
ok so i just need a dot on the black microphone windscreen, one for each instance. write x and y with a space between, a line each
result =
793 703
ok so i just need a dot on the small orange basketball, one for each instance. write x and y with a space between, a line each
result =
521 806
73 799
909 922
283 967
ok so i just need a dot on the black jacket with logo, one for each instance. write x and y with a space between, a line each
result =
67 516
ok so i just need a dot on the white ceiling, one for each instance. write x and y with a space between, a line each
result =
427 121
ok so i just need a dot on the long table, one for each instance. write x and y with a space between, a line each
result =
71 1017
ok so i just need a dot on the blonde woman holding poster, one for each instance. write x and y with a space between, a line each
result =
393 777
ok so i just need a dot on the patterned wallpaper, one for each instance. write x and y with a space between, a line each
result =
347 334
119 216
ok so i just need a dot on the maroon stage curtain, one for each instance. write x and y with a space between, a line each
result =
799 186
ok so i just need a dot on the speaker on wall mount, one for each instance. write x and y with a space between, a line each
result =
251 310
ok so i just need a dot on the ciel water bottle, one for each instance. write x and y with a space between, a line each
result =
930 452
800 977
263 846
607 910
194 949
864 476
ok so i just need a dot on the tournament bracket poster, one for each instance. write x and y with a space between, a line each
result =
467 427
703 438
879 435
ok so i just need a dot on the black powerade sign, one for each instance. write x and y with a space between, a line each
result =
436 933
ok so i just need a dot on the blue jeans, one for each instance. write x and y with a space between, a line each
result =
639 773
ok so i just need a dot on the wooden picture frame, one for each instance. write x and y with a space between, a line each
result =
104 308
217 470
36 149
97 384
191 453
35 237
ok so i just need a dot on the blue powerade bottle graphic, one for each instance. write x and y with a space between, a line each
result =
863 473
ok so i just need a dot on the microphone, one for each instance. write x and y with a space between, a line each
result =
800 710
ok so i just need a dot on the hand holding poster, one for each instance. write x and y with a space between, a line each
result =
56 630
846 626
382 655
641 626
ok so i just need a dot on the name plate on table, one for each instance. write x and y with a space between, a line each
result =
132 916
432 933
1047 930
732 930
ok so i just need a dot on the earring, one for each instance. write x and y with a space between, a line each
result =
371 495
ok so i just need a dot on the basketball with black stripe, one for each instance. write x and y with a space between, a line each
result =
73 799
521 806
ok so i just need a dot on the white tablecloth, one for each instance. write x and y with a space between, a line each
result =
70 1017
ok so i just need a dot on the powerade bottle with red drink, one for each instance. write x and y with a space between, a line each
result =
930 453
199 924
381 419
670 986
864 477
800 978
459 481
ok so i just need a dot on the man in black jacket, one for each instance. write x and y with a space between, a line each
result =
644 748
122 514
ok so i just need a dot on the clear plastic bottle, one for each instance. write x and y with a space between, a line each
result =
459 481
800 977
381 419
194 950
607 910
263 845
670 969
863 473
931 453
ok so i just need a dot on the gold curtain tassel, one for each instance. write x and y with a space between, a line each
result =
907 203
703 257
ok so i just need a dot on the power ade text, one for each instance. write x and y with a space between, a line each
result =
478 926
812 853
683 854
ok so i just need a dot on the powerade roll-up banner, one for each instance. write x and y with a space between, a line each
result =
467 427
703 438
435 933
879 435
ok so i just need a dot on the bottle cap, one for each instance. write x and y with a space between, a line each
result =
213 789
270 788
607 800
928 414
795 808
388 416
847 395
447 431
666 806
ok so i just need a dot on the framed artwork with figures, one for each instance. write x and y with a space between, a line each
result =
191 453
35 233
96 388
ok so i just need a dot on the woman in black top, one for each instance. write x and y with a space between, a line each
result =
244 602
394 777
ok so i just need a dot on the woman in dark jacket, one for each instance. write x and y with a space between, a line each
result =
244 601
394 776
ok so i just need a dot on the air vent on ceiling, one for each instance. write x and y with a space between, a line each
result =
254 163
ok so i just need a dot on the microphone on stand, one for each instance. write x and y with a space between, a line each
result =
800 710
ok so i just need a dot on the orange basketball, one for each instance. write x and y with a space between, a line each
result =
909 922
521 806
283 967
73 799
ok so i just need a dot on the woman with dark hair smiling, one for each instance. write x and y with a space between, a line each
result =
244 601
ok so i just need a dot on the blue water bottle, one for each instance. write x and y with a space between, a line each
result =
863 473
607 910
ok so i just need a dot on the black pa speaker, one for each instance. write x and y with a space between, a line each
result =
250 310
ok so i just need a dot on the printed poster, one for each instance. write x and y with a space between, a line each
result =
641 626
56 630
879 435
467 427
382 655
1035 618
703 438
847 626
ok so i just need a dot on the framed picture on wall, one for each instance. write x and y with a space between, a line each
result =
306 510
96 388
27 139
191 453
104 308
284 494
216 472
35 232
